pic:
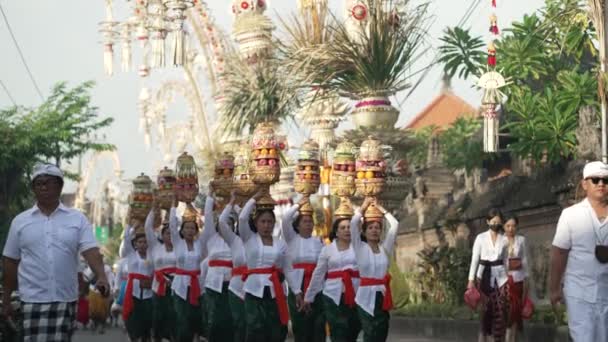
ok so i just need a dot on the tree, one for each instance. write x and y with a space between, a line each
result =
549 58
461 144
61 128
461 53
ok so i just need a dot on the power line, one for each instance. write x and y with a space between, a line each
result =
29 72
8 93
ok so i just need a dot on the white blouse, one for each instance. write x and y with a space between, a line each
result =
485 249
518 251
188 260
214 248
372 265
260 256
300 250
331 259
237 250
161 258
137 264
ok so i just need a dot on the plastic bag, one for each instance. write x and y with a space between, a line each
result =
472 297
527 309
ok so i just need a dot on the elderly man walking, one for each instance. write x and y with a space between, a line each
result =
580 256
42 252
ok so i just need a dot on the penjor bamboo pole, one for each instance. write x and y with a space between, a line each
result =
602 78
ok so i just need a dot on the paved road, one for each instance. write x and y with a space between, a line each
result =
115 335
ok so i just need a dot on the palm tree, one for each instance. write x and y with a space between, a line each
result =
461 53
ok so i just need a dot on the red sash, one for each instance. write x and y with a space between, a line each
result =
239 271
347 279
195 288
127 306
220 263
308 269
278 289
159 275
387 304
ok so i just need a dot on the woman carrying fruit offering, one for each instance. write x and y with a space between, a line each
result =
163 258
337 275
373 299
265 303
189 254
217 280
137 304
303 251
236 297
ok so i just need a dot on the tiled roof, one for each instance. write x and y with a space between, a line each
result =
442 111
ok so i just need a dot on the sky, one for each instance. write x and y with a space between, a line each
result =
60 42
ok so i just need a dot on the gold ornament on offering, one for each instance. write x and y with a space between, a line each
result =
243 185
141 198
265 165
371 168
373 214
224 172
190 215
345 209
166 188
307 177
186 187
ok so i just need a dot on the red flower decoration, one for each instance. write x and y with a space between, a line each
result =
261 3
359 12
244 5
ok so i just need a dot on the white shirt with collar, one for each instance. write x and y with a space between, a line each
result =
215 248
299 249
188 260
518 250
259 255
372 265
579 231
485 249
237 250
331 259
161 258
47 248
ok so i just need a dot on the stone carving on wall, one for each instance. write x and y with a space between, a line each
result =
588 135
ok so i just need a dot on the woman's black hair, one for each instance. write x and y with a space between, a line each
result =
512 217
136 237
164 228
182 228
296 223
492 213
334 228
257 214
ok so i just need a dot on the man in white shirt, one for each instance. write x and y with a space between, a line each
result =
578 256
42 252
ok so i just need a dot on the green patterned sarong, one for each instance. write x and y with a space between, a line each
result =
187 319
237 310
375 328
164 316
307 327
139 323
344 324
263 321
219 319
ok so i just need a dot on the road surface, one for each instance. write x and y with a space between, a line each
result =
116 335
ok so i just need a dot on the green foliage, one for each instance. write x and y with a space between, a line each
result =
376 60
461 144
418 153
434 310
551 61
61 128
443 273
461 53
256 94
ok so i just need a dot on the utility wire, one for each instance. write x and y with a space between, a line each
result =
29 72
8 93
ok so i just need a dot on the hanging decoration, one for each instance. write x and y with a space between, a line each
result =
176 13
490 82
157 29
109 35
125 39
